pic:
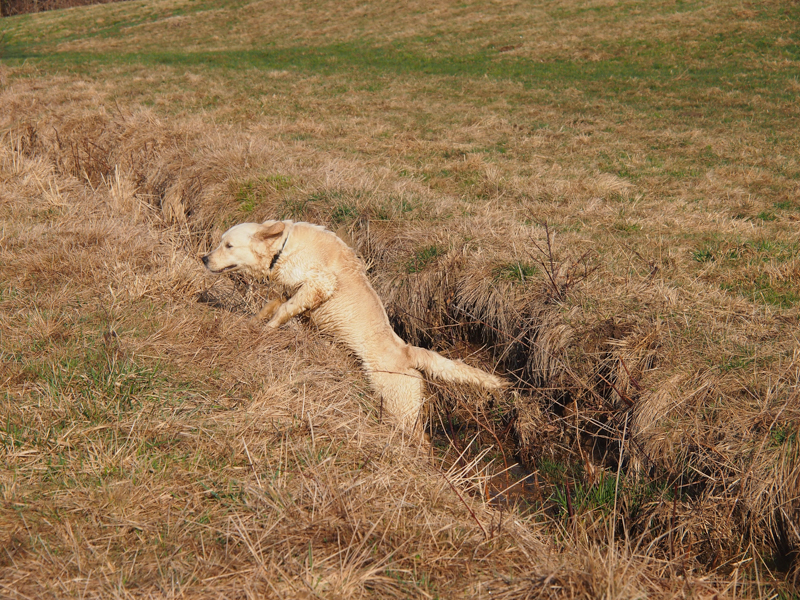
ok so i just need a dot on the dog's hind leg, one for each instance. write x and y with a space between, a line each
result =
401 397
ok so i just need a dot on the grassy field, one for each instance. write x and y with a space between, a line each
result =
598 200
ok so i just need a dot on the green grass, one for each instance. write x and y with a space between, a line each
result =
784 436
764 291
626 227
251 193
344 213
787 205
602 79
703 255
632 65
516 271
102 385
629 494
423 257
587 498
758 269
631 75
397 207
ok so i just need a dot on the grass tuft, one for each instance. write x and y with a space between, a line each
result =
516 271
424 257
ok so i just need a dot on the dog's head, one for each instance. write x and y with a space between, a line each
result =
246 247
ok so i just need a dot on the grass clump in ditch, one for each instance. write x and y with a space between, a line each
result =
423 258
518 271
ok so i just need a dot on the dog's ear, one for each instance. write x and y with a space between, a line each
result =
269 231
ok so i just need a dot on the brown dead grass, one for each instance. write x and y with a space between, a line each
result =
129 233
631 268
23 7
240 465
157 446
550 30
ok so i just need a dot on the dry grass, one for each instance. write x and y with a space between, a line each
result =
157 445
22 7
590 211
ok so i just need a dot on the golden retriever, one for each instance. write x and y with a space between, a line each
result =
328 283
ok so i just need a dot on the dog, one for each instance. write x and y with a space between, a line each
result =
328 283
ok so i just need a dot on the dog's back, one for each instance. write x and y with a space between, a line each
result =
354 313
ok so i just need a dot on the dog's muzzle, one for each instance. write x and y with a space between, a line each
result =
206 260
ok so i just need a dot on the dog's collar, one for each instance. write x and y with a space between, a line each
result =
278 253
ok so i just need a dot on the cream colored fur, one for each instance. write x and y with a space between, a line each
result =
329 284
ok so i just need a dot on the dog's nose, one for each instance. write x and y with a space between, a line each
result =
205 260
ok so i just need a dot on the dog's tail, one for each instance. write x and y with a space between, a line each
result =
437 366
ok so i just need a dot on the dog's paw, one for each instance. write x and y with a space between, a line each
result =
269 310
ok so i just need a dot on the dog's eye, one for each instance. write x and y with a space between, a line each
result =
228 245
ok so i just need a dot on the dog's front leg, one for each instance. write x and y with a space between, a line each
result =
268 311
317 288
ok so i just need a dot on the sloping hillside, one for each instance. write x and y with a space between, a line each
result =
599 201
